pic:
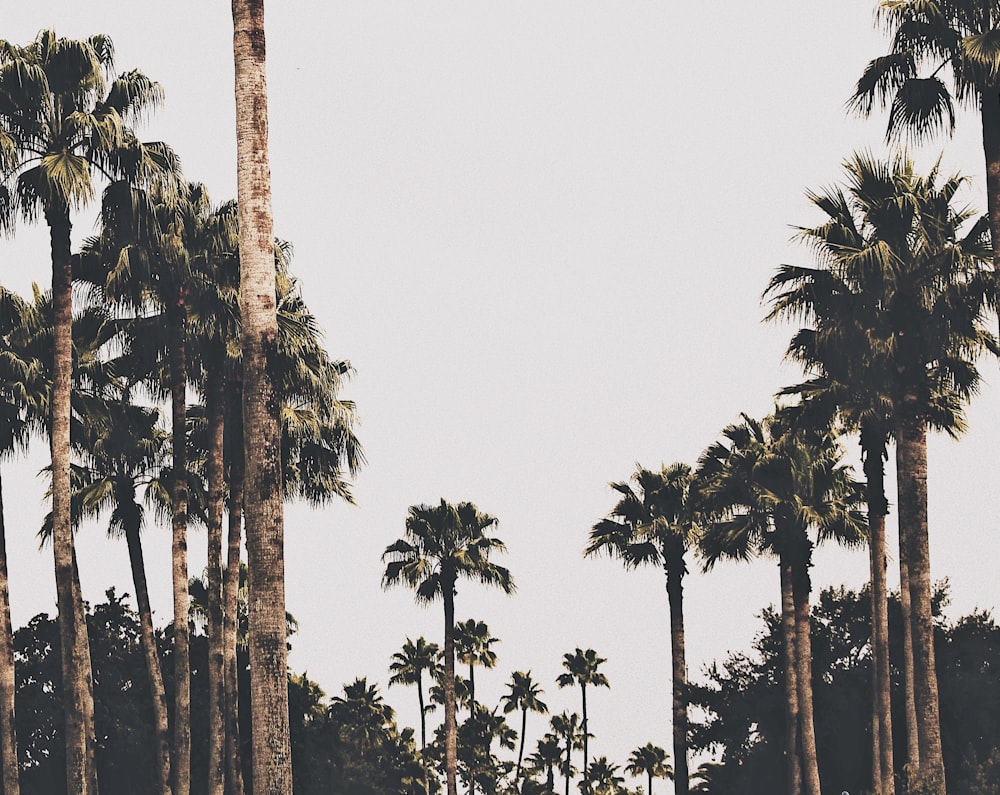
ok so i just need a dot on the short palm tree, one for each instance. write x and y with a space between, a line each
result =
472 647
444 543
546 757
650 761
523 694
62 125
567 727
602 778
655 522
581 669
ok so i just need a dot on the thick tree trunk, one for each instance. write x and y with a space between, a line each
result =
883 781
675 596
801 587
793 761
215 409
181 765
911 462
450 728
231 585
264 509
78 683
8 738
990 114
912 765
161 728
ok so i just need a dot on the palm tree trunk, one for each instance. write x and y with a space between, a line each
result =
675 596
8 738
450 728
801 587
181 766
909 689
78 683
911 462
569 760
520 752
586 736
990 115
423 731
231 585
161 729
264 510
793 761
883 780
215 409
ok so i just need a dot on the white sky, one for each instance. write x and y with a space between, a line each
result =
539 231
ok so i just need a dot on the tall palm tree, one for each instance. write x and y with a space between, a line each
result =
933 40
408 666
581 669
523 695
905 283
655 523
442 544
472 648
768 484
264 506
649 760
546 757
567 727
62 126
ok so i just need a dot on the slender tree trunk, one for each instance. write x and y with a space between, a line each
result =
423 731
78 683
231 586
520 752
450 728
181 766
8 738
161 729
911 462
569 760
215 409
550 779
801 588
793 760
586 738
650 790
272 756
883 780
675 596
990 114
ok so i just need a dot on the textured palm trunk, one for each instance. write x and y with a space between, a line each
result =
161 729
883 780
801 588
912 764
181 764
231 585
450 728
911 462
215 409
264 509
675 596
78 683
8 739
990 114
793 762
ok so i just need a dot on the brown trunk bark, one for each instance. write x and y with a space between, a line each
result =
801 588
8 738
911 453
215 409
272 756
78 684
793 761
675 596
450 728
231 585
161 729
181 763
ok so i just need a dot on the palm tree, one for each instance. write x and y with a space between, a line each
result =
547 755
767 484
567 727
581 669
60 128
442 544
649 760
602 777
472 648
933 40
655 523
264 508
905 287
408 666
524 695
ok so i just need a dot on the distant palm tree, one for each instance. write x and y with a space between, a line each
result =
523 695
602 778
442 544
408 667
546 757
655 523
567 727
581 669
649 760
472 648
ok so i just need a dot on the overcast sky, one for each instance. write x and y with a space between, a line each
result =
539 230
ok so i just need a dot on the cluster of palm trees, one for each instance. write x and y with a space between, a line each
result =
170 298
